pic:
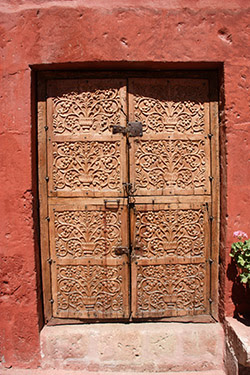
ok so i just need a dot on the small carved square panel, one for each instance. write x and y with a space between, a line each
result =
170 166
170 290
87 232
87 167
171 231
90 291
170 105
86 106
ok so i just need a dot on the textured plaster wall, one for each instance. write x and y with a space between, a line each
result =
52 32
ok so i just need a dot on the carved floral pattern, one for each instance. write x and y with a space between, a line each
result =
89 110
87 233
170 163
86 165
176 232
171 287
175 108
90 288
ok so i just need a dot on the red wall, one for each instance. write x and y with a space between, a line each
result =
35 32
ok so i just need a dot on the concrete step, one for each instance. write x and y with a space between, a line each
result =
137 347
69 372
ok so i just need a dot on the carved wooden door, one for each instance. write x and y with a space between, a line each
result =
170 169
87 167
128 218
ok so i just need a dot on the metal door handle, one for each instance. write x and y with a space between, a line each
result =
112 204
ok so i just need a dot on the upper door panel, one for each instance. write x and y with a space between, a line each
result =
172 157
85 158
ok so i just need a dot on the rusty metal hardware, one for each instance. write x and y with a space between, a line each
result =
129 188
134 129
119 129
135 254
120 250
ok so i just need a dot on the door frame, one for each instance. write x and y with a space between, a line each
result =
43 77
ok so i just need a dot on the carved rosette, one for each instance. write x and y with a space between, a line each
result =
87 233
168 164
84 288
86 165
178 232
171 287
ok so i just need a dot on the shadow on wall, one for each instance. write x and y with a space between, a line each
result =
240 294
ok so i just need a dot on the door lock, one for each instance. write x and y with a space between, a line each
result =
133 129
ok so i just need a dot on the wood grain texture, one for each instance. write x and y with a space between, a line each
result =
151 196
43 203
171 242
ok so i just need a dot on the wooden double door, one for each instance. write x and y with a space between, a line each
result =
128 218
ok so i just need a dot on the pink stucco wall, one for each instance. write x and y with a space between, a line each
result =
35 33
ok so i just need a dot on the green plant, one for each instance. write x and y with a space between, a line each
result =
240 251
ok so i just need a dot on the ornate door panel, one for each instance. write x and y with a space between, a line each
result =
89 280
86 159
170 272
172 157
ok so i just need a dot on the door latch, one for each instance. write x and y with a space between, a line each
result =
133 129
120 250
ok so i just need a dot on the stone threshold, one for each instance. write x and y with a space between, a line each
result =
70 372
238 341
134 348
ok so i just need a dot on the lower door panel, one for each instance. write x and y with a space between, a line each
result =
170 268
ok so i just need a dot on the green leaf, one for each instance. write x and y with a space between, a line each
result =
244 278
241 260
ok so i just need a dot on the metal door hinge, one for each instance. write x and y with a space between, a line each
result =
133 129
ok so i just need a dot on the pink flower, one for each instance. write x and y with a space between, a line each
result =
240 234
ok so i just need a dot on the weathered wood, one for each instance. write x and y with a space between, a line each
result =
164 215
170 241
85 158
43 204
89 280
